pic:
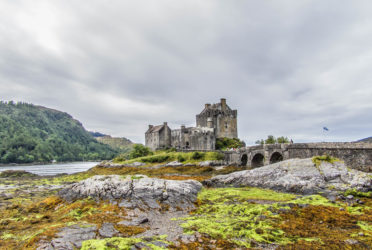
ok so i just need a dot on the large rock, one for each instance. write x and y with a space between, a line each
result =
70 238
210 163
174 164
298 176
135 191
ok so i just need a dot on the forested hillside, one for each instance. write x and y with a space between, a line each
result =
30 133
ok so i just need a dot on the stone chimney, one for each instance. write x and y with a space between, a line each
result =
151 126
183 128
223 103
207 105
165 123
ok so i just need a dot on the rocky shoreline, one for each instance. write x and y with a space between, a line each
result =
164 206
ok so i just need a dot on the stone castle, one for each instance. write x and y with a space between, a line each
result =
215 121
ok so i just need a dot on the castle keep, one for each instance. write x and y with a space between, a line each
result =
215 121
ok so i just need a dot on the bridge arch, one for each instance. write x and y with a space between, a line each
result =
257 160
244 160
276 157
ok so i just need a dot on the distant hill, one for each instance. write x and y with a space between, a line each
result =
368 139
96 134
121 144
30 133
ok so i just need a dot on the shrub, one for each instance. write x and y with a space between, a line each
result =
197 155
171 150
181 158
218 156
225 143
155 159
139 151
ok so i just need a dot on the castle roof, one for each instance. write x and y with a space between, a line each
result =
155 129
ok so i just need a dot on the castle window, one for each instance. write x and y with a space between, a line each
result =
226 125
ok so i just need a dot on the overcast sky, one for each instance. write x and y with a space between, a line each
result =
289 67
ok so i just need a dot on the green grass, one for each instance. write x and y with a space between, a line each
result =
168 156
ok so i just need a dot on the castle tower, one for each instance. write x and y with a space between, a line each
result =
220 117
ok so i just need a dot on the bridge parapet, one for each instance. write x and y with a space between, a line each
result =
355 155
336 145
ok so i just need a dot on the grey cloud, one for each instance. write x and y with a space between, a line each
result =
289 67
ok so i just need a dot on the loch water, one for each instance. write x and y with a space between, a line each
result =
52 169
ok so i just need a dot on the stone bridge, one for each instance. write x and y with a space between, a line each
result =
355 155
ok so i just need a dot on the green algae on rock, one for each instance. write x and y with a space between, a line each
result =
324 158
251 217
123 243
242 194
227 213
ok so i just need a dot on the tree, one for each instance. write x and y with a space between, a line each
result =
30 133
282 139
260 142
139 150
272 140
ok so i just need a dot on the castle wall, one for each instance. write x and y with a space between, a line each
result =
152 140
158 139
165 138
203 141
227 126
193 138
176 139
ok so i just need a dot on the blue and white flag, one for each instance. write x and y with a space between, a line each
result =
325 128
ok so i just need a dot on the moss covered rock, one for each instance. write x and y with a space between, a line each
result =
299 176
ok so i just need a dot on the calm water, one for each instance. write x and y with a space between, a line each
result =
53 169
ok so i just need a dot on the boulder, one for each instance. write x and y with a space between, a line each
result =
189 165
298 176
16 174
108 230
174 164
70 238
109 165
132 192
210 163
136 164
135 222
